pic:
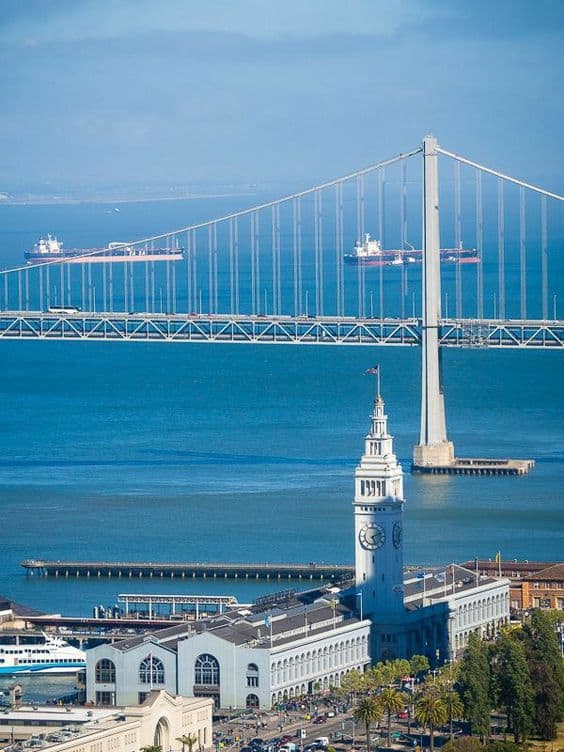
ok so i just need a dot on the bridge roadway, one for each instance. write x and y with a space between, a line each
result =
307 330
191 570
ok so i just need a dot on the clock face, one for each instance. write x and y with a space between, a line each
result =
371 536
397 534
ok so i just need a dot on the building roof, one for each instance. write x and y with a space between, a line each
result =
253 627
441 585
18 609
553 573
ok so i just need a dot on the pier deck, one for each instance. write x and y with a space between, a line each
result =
477 466
190 570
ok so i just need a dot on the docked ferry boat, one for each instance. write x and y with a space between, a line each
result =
369 252
51 249
38 653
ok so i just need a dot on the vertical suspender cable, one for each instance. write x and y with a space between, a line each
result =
278 263
111 284
6 299
231 269
403 234
274 264
146 267
62 283
132 285
26 280
167 282
479 247
458 237
523 252
194 249
257 261
82 287
236 260
41 290
69 286
89 285
316 249
215 270
381 188
501 248
189 305
544 259
339 243
47 287
210 268
253 290
20 304
297 221
125 287
360 237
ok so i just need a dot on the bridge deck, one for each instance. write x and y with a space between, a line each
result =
307 330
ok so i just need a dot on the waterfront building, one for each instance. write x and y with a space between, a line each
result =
159 720
534 584
259 655
251 657
430 613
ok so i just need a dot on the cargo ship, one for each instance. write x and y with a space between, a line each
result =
369 252
50 249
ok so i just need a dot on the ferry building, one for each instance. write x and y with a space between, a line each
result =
304 642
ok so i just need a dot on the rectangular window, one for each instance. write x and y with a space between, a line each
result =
252 681
105 698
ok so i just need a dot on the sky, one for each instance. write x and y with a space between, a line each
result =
106 92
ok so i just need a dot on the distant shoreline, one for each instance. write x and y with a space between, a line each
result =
67 200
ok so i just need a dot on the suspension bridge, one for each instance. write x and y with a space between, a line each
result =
303 270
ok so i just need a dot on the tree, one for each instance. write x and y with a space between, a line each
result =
473 685
353 682
391 702
418 664
547 674
454 707
152 748
187 740
431 712
463 744
515 690
368 711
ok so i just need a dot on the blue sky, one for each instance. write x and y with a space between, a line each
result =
181 91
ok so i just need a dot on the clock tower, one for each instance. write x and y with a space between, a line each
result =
378 511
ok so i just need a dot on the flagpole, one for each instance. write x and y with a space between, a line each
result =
378 380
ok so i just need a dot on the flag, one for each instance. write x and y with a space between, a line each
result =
421 575
373 371
266 620
498 557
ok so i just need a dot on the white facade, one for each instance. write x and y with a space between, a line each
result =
159 721
453 604
236 658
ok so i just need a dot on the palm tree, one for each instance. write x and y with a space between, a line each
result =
187 741
454 707
431 711
368 711
391 701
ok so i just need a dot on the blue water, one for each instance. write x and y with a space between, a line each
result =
246 453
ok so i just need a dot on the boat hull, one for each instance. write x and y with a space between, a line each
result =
41 668
100 259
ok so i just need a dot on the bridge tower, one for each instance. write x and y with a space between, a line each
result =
434 449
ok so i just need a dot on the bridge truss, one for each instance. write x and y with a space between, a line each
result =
472 333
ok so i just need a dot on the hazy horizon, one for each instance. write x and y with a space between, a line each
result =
182 92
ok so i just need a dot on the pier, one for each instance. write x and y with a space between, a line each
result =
195 570
477 466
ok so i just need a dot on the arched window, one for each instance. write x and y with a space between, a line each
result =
206 670
105 671
151 671
252 676
252 701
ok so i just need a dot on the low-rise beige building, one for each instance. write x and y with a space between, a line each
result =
161 720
